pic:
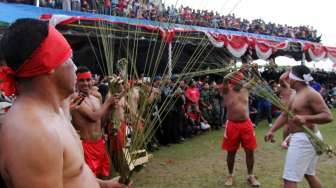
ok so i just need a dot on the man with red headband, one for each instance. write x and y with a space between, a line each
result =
87 120
238 128
38 146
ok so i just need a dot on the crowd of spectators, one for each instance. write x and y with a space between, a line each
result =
181 15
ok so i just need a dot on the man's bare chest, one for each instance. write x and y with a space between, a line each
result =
92 102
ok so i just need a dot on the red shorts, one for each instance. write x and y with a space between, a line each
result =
239 132
96 157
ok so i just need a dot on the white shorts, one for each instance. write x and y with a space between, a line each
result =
301 158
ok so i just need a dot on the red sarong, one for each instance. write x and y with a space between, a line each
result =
97 157
118 141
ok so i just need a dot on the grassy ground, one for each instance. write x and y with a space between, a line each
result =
200 163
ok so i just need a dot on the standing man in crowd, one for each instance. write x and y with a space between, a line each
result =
309 109
238 128
87 119
38 146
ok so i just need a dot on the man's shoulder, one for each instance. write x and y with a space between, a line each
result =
21 128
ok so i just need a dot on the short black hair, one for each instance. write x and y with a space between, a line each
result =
300 70
82 69
21 39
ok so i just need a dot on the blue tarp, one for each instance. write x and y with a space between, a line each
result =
10 12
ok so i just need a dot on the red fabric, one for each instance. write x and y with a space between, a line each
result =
84 75
239 132
118 142
331 51
96 157
236 42
51 53
192 94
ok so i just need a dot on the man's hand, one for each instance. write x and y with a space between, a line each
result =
112 100
269 136
299 120
76 102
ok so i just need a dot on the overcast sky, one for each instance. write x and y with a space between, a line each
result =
319 14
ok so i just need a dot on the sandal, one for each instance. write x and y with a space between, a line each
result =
253 181
229 181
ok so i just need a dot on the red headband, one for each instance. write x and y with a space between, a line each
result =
51 53
84 75
238 77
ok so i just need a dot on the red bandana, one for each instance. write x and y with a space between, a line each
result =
84 75
51 53
238 77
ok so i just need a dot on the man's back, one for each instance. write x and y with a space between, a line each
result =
42 149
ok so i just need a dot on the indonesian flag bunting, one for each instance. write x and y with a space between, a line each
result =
236 45
213 41
265 48
332 54
316 52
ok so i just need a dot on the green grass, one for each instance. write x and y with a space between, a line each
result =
200 163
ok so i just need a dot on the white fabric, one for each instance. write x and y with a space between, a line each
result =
307 77
301 158
58 18
205 126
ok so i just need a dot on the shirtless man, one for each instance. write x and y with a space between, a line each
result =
39 148
309 109
87 118
239 128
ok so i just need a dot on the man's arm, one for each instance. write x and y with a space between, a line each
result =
97 115
113 183
279 122
34 158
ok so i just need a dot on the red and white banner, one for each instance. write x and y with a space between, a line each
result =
331 54
316 52
265 48
236 45
214 42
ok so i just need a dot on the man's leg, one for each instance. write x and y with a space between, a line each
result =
230 159
313 181
269 115
249 161
289 184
